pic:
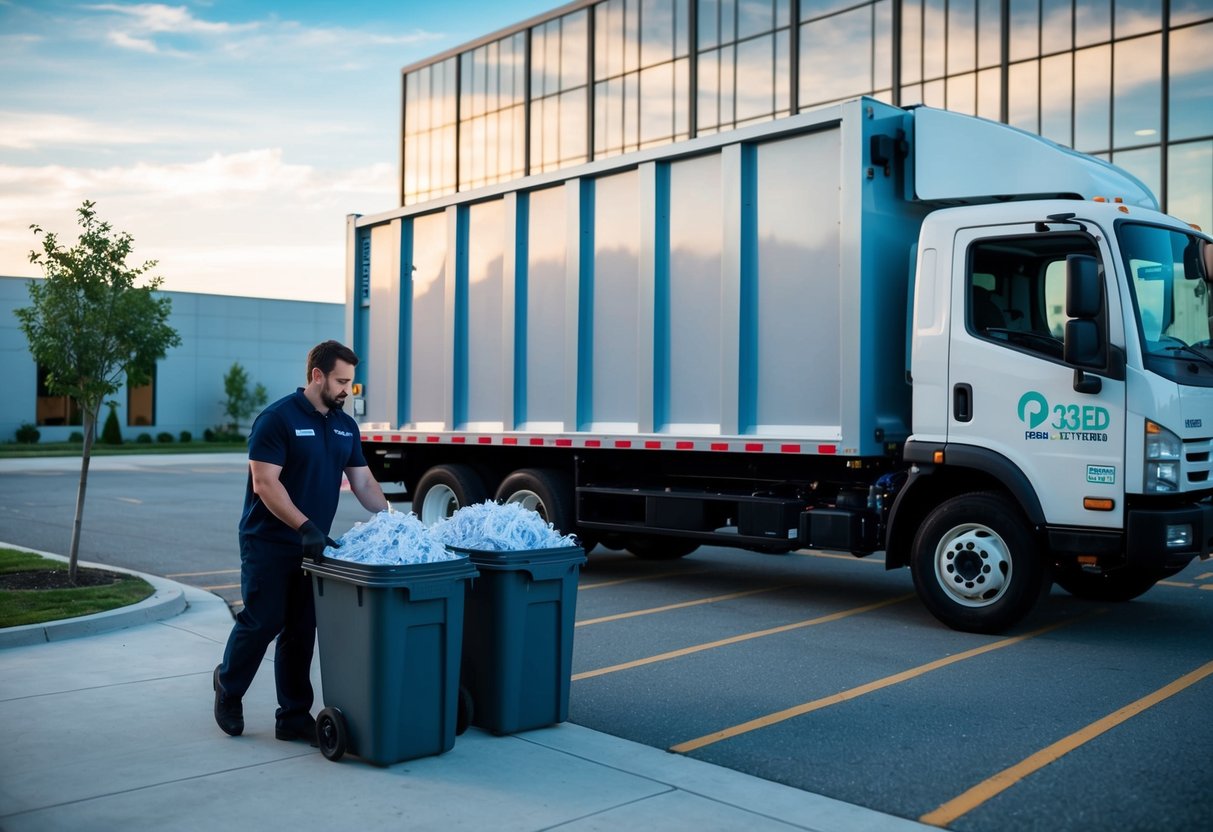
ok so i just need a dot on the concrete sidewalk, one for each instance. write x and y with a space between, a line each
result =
111 729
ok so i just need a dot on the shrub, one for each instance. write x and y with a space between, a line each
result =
75 436
164 437
208 435
144 439
27 434
111 434
185 436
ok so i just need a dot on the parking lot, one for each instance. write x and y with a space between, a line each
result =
816 670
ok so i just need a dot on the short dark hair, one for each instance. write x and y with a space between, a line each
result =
325 356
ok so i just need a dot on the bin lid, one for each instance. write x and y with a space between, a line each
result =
522 557
387 575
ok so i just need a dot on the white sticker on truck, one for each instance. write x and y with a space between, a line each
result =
1102 474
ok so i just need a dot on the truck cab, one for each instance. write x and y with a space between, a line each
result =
1062 407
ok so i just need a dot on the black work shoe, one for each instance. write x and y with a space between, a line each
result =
229 712
300 728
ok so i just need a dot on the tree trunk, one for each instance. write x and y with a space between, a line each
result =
90 432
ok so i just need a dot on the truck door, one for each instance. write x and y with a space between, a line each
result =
1011 391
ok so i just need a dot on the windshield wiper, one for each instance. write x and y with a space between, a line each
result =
1188 350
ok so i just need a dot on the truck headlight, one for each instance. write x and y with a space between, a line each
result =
1163 450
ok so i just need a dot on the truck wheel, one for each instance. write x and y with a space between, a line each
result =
660 548
1113 585
975 564
547 492
444 489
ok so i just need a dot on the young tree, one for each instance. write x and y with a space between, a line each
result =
89 325
241 402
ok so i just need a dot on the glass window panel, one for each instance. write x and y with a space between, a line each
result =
836 57
1092 21
911 42
1056 87
911 95
682 98
450 92
492 77
962 94
1190 11
707 102
656 31
989 33
682 29
551 58
728 85
989 94
1092 98
539 63
1025 29
754 17
1191 108
447 141
656 103
608 39
574 51
1137 91
1023 84
962 40
783 73
934 50
1136 17
810 9
755 87
631 111
1056 26
1190 182
934 94
708 23
882 47
1145 163
631 36
572 127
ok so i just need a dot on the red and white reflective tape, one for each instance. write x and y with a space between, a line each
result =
717 445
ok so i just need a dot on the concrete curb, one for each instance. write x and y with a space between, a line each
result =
166 601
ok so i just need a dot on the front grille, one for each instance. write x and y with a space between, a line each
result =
1198 461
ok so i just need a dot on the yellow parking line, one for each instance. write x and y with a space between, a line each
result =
653 577
199 574
1205 576
219 587
678 606
1008 777
861 690
687 651
1183 584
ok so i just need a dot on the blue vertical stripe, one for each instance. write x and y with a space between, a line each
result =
661 297
404 360
522 264
585 312
460 256
747 380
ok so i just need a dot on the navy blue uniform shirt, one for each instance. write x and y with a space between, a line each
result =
314 449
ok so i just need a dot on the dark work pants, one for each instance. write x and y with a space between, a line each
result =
277 604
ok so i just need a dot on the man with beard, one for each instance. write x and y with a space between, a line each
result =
299 447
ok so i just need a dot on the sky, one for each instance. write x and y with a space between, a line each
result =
229 138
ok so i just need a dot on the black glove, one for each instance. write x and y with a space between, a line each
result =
314 541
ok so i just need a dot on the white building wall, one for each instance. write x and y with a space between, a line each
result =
269 338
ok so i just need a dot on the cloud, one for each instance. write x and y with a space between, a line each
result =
29 131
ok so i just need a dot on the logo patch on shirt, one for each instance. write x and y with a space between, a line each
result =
340 432
304 432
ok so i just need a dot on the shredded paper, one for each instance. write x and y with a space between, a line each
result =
395 538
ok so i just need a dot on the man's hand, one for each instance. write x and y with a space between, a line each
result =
314 541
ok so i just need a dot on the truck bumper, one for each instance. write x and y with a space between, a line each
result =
1168 537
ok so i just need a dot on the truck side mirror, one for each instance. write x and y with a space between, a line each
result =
1084 289
1086 339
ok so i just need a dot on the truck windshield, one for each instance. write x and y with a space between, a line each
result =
1170 290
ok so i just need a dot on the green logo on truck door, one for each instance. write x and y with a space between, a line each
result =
1067 422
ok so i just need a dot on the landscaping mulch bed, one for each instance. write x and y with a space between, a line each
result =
58 579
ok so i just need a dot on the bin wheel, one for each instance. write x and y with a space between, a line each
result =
332 734
465 712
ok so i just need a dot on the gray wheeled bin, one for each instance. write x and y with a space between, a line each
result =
390 643
518 636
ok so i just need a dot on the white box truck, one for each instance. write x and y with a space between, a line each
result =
860 328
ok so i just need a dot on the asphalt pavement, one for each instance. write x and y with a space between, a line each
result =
108 726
